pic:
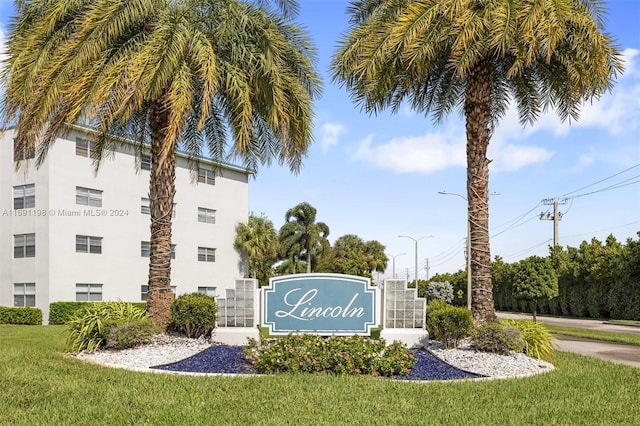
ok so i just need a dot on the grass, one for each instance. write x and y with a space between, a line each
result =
632 339
632 322
39 386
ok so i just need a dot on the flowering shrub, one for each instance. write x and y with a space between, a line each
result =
305 353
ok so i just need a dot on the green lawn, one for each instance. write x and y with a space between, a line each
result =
38 385
632 339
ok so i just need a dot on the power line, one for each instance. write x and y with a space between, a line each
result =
601 180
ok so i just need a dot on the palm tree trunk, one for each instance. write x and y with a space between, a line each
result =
477 108
161 194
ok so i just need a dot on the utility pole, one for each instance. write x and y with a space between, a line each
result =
555 217
426 267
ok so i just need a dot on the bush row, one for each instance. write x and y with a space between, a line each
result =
24 316
449 324
62 312
121 325
341 355
595 280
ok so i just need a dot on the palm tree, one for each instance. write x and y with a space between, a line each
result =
476 56
188 74
259 241
301 238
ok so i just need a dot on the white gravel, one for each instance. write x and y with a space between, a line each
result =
465 357
166 349
163 349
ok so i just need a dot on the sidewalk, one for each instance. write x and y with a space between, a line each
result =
614 352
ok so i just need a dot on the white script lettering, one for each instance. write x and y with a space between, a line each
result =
302 309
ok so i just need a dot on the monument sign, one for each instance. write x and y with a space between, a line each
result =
323 304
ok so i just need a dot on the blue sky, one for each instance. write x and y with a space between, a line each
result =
379 176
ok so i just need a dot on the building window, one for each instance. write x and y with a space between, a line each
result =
206 254
206 176
85 148
145 206
24 197
145 249
24 245
145 162
144 291
88 197
22 154
87 244
88 292
24 294
206 215
209 291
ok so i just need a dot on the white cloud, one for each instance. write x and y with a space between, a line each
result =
422 154
331 132
437 151
510 158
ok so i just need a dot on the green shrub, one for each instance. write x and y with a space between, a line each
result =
341 355
536 336
448 324
194 314
124 334
497 338
436 305
62 312
24 316
88 330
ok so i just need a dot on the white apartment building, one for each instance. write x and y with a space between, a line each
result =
68 234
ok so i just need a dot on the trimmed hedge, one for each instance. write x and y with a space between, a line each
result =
448 324
194 315
23 316
61 312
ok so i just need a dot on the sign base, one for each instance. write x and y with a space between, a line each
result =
414 338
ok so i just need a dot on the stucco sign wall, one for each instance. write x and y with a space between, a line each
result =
320 304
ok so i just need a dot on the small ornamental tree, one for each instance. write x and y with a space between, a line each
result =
440 291
535 279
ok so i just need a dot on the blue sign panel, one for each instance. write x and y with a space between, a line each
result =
319 304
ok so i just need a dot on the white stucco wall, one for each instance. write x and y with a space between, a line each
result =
57 219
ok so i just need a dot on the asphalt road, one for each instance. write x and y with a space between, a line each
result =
614 352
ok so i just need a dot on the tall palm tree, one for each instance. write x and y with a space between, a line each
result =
301 237
257 239
476 56
188 74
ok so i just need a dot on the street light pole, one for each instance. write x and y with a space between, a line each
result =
394 262
416 251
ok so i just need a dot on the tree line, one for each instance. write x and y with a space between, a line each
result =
302 245
597 279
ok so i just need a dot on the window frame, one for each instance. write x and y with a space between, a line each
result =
90 242
86 151
145 162
28 297
144 291
145 247
24 154
206 176
91 296
27 201
24 240
93 196
209 215
206 254
211 291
